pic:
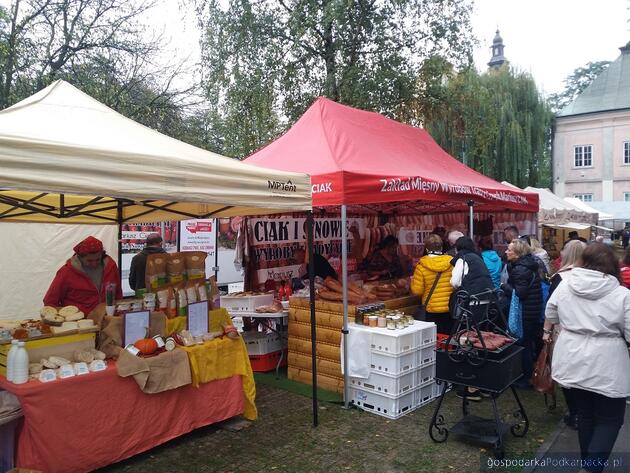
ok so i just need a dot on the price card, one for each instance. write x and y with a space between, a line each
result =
136 325
198 318
81 368
131 349
66 371
159 340
46 376
98 365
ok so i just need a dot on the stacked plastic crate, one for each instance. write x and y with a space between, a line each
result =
402 370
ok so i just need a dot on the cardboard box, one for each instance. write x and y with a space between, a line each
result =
63 345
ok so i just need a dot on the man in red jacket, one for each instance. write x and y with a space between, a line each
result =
84 277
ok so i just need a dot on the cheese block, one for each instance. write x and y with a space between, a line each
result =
85 323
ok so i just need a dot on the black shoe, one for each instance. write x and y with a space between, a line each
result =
571 421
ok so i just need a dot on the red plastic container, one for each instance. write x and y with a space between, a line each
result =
268 362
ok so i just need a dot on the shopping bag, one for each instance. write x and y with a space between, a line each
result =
515 317
541 379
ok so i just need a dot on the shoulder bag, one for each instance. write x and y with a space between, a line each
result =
421 313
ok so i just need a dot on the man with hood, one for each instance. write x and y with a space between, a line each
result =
137 270
431 282
82 280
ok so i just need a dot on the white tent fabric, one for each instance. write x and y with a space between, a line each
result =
31 254
556 211
587 208
64 143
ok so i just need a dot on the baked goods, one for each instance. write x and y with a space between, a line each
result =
48 312
74 317
68 310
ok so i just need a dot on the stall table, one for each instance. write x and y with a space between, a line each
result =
87 422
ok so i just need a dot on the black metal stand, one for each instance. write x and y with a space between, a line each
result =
483 430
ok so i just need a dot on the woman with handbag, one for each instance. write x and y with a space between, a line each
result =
591 355
431 283
524 282
569 257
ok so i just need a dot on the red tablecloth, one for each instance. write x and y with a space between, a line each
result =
86 422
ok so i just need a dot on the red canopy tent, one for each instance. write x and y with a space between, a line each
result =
365 162
358 157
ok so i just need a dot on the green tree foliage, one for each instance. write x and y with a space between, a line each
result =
575 84
101 47
265 61
497 122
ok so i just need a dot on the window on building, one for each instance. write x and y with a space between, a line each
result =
626 152
584 197
626 196
583 156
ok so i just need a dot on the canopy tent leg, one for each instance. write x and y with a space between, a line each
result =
471 215
344 283
119 221
311 286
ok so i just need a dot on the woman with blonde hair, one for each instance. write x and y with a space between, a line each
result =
431 281
524 281
540 252
569 258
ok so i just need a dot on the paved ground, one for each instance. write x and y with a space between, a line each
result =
347 440
563 445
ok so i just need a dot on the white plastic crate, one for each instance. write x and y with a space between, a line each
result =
245 303
393 364
385 384
394 342
425 355
259 343
424 374
426 335
392 408
424 394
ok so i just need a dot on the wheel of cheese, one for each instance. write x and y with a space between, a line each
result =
75 316
48 312
68 310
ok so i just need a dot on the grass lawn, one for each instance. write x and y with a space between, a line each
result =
346 440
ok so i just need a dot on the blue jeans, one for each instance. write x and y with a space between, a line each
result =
599 421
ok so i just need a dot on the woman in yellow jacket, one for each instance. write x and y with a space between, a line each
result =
427 270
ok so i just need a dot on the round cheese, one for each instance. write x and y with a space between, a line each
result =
73 317
48 312
68 310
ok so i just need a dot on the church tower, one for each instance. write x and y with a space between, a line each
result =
498 59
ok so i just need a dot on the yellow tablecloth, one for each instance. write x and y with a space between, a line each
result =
215 319
223 358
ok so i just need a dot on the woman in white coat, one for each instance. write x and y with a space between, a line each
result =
590 356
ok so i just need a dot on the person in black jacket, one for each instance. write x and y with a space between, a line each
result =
138 267
524 280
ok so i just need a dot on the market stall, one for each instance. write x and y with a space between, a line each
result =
395 176
67 158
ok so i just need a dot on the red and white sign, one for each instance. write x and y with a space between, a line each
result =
198 235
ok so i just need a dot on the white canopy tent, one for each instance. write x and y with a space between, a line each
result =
65 157
555 210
